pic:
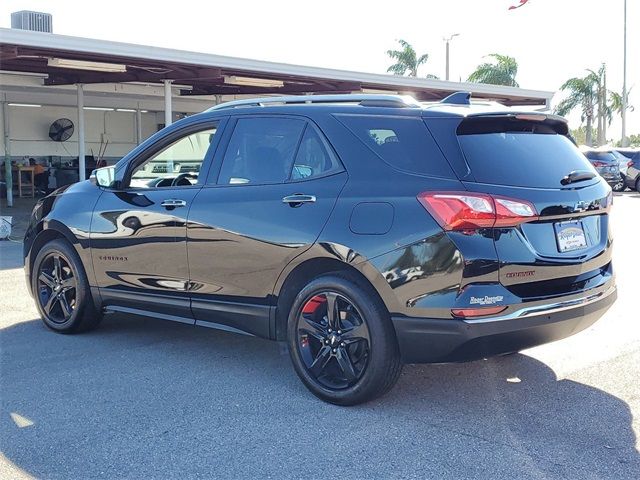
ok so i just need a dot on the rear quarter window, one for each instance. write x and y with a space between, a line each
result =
403 143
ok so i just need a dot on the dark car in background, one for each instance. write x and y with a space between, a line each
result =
365 231
627 152
607 165
632 172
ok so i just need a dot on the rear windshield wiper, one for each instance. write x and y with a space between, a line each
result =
577 176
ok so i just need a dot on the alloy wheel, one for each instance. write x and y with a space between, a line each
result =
619 187
333 340
57 288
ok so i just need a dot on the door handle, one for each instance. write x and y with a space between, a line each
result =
298 199
173 203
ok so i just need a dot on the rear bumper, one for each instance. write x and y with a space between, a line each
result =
613 180
424 340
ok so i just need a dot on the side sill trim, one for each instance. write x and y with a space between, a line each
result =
145 313
219 326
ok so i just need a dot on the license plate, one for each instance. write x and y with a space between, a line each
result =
570 236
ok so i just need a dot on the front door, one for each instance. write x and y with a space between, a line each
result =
138 233
265 205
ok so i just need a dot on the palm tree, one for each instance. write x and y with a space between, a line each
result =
604 111
596 102
615 104
406 60
502 72
583 93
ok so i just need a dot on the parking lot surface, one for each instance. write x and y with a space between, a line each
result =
143 398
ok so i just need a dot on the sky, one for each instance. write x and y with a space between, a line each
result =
552 40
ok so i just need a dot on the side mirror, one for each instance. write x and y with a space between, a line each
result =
103 177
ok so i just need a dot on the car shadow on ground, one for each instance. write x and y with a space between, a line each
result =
627 193
144 398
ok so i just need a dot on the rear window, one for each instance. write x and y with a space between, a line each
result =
519 153
404 143
601 156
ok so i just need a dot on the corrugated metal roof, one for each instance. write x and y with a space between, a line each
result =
205 73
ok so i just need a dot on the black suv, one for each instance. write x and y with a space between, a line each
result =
365 231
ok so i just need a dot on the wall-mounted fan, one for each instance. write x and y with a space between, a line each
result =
61 130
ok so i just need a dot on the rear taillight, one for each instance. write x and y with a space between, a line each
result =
630 163
598 164
470 211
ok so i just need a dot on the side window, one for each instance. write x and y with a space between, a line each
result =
261 151
404 143
177 165
312 159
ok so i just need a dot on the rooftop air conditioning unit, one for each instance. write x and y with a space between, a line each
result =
34 21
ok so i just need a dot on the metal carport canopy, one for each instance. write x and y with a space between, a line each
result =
208 74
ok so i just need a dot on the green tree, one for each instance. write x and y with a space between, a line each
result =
604 113
582 94
501 71
615 103
595 101
407 60
580 135
633 140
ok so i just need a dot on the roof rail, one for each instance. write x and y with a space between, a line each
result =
458 98
372 100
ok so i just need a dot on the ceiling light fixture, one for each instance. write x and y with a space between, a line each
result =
377 90
86 65
252 82
30 105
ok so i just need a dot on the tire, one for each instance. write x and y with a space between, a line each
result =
358 362
61 290
620 186
638 185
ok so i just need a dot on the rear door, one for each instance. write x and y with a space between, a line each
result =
266 203
567 248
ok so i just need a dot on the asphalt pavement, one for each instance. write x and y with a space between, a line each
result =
144 398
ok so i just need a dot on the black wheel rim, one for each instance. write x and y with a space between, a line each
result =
333 340
57 288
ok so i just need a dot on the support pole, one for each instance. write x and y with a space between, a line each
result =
81 146
8 174
447 40
168 113
604 106
138 126
447 62
624 81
